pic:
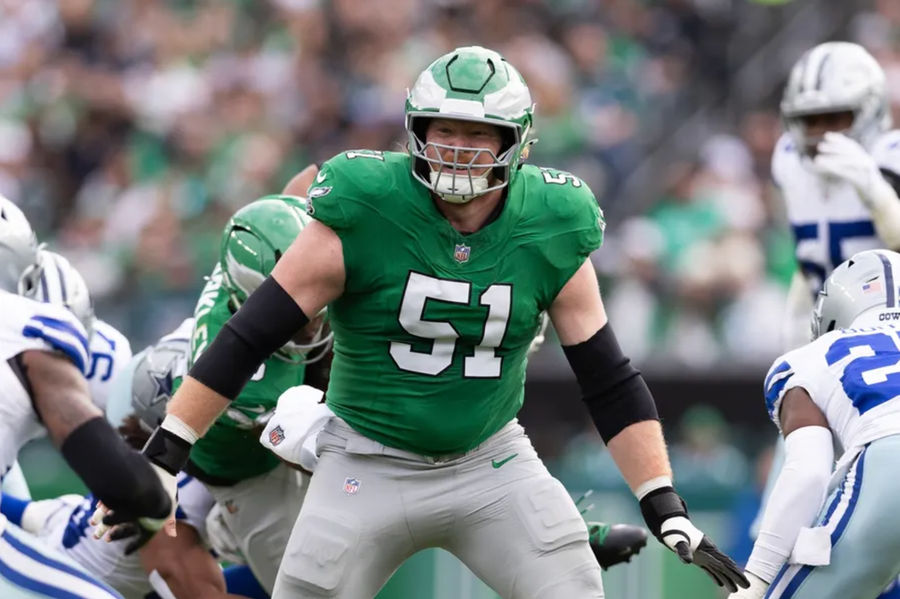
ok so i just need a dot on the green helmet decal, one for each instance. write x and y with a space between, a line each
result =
472 84
254 240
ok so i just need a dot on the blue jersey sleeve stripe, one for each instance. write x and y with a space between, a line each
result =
62 325
775 383
62 336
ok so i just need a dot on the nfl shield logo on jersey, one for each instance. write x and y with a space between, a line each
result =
276 435
351 486
461 252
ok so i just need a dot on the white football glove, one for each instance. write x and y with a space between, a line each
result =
757 589
844 158
292 430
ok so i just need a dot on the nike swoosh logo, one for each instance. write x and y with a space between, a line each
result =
320 177
497 464
254 409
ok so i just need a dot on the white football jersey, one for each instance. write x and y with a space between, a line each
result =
852 375
27 324
829 221
68 531
110 352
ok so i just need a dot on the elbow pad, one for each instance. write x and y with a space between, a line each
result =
268 319
613 389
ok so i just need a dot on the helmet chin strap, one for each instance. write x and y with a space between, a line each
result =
458 189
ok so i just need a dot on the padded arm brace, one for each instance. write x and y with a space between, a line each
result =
795 500
266 321
613 389
116 474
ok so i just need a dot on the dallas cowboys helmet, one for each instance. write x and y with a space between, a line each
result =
155 371
471 84
836 77
18 246
861 291
55 281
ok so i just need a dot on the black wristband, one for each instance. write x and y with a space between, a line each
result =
613 389
114 472
167 450
268 319
659 505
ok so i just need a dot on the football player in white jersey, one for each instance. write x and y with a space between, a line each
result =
53 279
180 567
831 532
43 357
837 167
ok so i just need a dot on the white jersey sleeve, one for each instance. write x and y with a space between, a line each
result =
852 375
30 325
110 352
886 152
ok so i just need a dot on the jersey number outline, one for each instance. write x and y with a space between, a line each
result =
872 377
837 233
484 362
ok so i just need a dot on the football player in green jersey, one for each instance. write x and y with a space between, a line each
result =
436 266
257 496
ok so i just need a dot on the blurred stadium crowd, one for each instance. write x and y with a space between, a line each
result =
130 130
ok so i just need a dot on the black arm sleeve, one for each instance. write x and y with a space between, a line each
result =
613 389
266 321
116 474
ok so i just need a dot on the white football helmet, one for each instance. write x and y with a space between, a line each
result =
54 280
837 77
18 246
862 291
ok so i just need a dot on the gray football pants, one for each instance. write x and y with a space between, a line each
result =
496 508
863 518
259 512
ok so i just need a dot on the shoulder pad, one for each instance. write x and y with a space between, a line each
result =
351 177
784 157
886 151
58 329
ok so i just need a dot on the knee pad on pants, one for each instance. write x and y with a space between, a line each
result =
549 516
319 551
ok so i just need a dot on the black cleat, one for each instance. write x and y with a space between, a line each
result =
615 543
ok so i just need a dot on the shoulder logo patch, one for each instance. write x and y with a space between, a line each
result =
461 252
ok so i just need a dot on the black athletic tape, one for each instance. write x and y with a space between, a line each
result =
659 505
267 320
613 389
167 450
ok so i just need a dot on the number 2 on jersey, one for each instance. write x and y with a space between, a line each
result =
873 376
483 363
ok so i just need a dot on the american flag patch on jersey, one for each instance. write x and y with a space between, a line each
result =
351 486
276 435
872 286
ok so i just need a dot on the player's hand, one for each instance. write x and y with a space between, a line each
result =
114 525
756 590
844 158
666 516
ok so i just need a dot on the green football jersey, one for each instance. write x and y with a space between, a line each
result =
432 330
231 450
